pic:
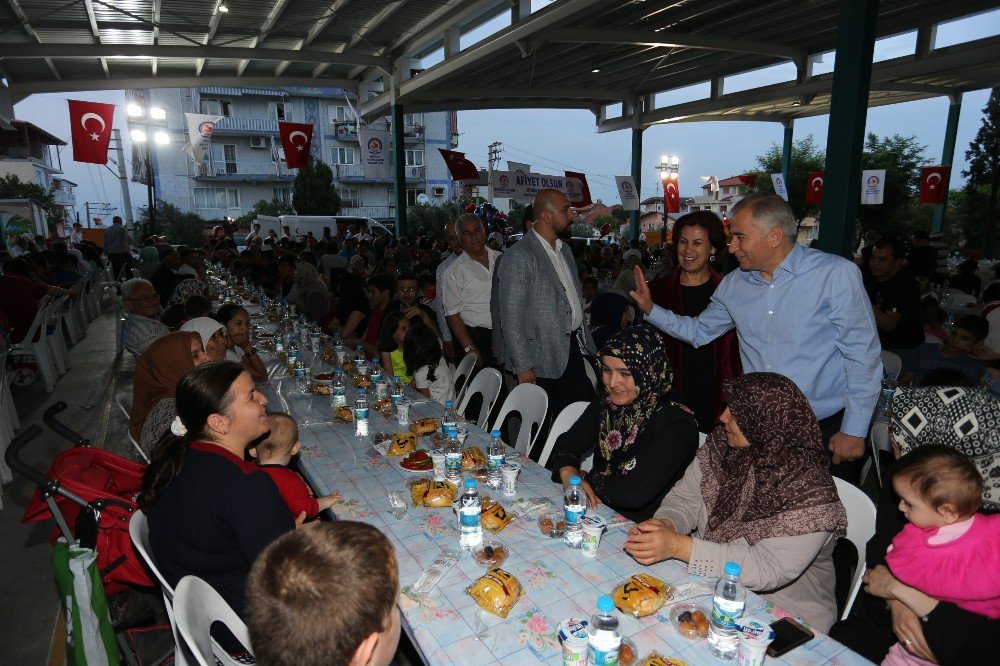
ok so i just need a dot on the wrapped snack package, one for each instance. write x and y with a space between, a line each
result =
426 492
641 595
656 659
402 443
344 414
494 516
424 426
497 591
473 457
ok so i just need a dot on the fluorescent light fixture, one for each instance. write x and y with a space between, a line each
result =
134 111
222 8
595 69
156 113
138 135
162 138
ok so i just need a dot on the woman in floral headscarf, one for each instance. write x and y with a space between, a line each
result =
759 493
644 441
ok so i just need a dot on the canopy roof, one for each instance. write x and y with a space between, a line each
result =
602 55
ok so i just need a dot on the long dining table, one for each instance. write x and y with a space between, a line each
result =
446 625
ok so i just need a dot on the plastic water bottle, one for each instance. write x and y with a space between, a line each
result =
338 391
470 516
452 459
376 371
300 374
945 293
727 608
495 457
361 414
359 353
396 390
449 422
574 509
605 638
885 397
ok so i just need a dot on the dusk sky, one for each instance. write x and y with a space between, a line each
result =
556 140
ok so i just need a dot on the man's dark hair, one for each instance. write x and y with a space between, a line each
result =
406 275
381 281
590 279
893 244
974 324
944 377
197 306
992 293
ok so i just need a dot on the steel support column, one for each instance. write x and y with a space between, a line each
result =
636 178
399 173
845 136
786 149
947 156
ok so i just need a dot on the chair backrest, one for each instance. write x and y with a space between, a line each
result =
531 402
860 528
588 367
702 438
463 375
487 383
124 400
566 418
196 606
588 463
38 323
891 363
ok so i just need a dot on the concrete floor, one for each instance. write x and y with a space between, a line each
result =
30 605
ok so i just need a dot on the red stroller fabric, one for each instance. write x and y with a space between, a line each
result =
93 474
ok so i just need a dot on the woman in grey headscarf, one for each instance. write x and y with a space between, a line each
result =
313 295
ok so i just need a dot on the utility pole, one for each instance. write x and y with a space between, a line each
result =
123 180
494 150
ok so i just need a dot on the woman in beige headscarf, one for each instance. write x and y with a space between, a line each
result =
313 295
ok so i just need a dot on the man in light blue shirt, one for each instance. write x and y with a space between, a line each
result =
798 312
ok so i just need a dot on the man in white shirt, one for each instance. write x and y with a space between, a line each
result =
76 236
142 326
466 292
450 237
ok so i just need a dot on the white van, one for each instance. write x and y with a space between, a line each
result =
302 224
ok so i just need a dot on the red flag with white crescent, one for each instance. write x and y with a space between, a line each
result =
296 139
934 184
90 129
814 187
459 166
671 194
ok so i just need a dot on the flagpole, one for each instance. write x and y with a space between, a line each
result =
123 180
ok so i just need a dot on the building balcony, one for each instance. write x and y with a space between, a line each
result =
246 125
347 131
64 197
354 173
378 213
264 170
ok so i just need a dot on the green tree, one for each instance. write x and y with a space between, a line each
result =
429 220
983 156
901 157
180 227
313 192
806 157
619 214
12 187
582 229
273 208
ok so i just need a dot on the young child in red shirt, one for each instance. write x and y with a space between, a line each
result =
273 455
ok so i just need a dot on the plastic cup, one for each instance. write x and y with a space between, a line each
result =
754 637
509 472
403 412
437 458
575 641
593 528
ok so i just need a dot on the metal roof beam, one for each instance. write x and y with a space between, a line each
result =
26 24
466 105
919 88
269 22
213 26
156 31
57 51
673 39
314 31
492 92
92 20
373 23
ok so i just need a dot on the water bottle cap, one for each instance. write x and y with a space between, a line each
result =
605 604
448 403
494 433
574 480
395 378
470 483
374 360
733 569
361 391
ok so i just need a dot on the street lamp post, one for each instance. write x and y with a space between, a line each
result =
140 134
669 167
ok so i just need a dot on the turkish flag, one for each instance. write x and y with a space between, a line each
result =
671 194
814 187
296 139
460 167
584 199
934 184
90 127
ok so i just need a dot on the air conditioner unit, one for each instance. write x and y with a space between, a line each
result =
258 142
438 191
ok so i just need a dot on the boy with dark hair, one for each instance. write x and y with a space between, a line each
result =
955 352
325 595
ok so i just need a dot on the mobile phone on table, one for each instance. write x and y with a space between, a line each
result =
788 635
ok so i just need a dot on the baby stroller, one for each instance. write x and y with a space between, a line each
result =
91 495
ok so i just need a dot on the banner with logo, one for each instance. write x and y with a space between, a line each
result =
199 128
778 180
934 184
527 185
627 192
518 166
584 198
375 161
503 185
90 129
872 187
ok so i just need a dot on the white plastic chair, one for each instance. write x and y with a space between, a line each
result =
35 343
78 308
55 337
138 447
891 363
878 436
138 529
860 528
124 401
531 402
588 367
6 424
196 606
487 384
588 463
702 438
463 375
566 418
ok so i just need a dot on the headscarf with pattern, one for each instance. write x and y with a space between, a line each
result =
778 486
965 419
640 349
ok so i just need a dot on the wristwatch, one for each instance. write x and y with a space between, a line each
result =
469 349
252 352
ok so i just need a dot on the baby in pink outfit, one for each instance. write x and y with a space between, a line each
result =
947 551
